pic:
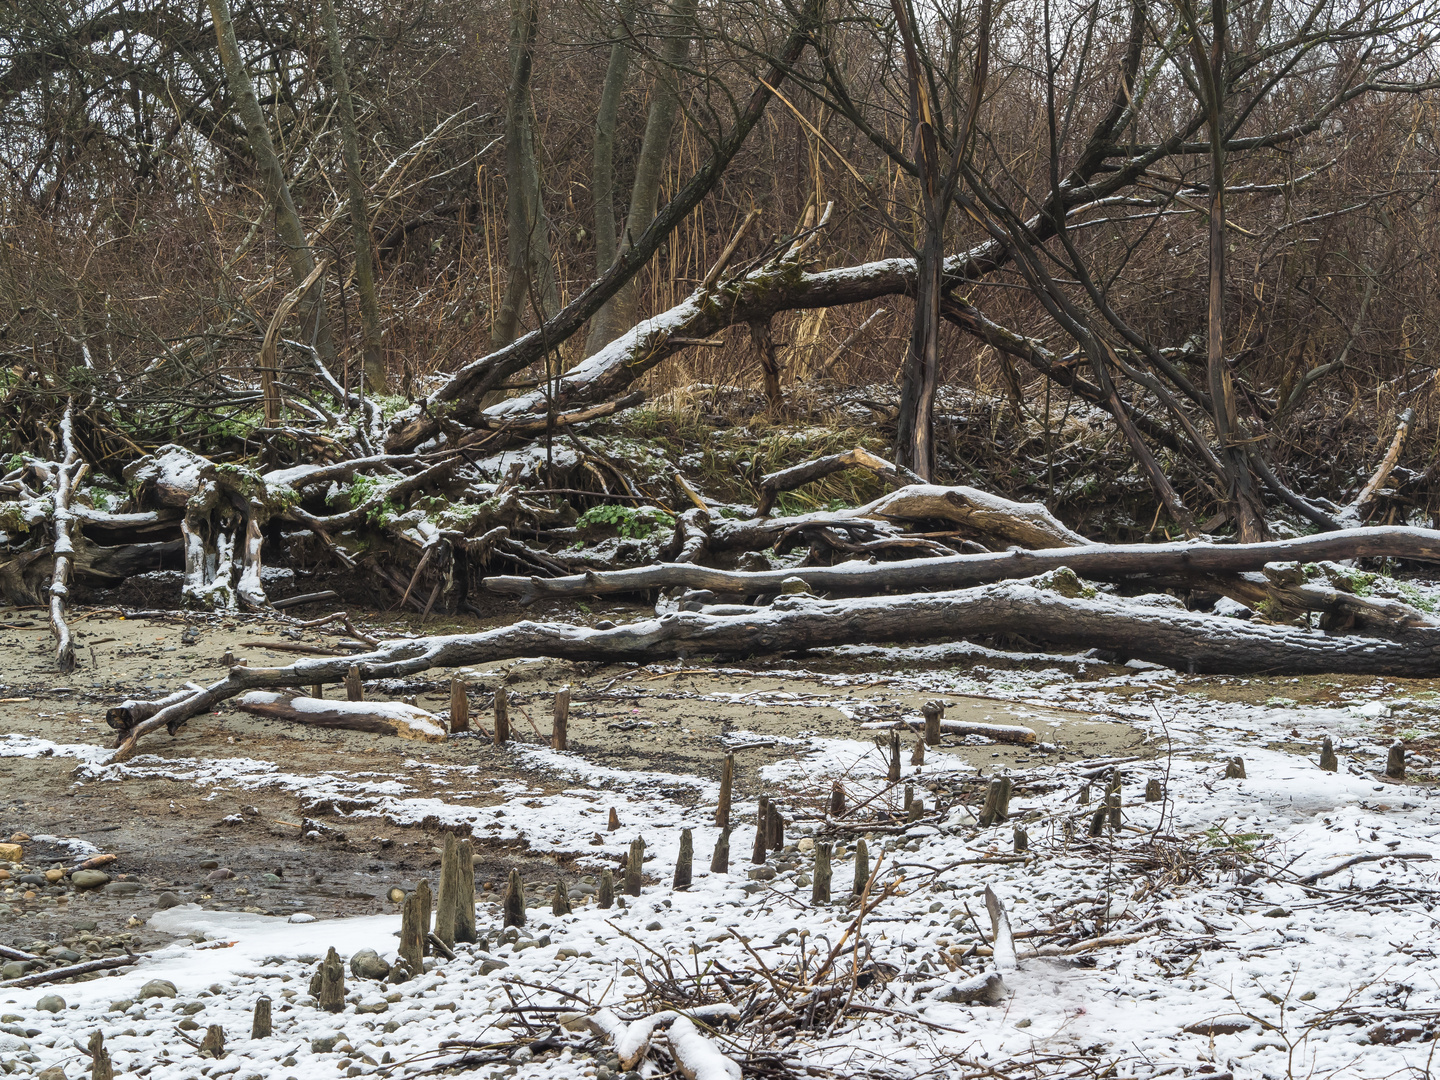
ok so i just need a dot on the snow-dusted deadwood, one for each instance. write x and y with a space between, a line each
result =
1183 639
64 549
1098 562
381 717
771 484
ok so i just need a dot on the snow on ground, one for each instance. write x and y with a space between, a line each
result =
1188 943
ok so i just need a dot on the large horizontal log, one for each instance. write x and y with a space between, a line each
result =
1098 562
1183 639
381 717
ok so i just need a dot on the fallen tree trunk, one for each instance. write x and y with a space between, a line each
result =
1004 733
1185 640
381 717
808 472
1098 562
64 549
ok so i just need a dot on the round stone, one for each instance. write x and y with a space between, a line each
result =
167 900
123 888
51 1003
157 988
89 879
368 964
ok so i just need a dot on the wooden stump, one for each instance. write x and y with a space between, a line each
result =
559 732
1328 761
775 832
605 891
354 691
720 860
512 904
684 860
447 899
893 776
412 936
459 706
332 983
727 780
560 902
917 756
634 866
762 831
465 895
909 798
1084 797
820 880
614 820
917 809
260 1020
1022 840
317 691
1235 769
1395 761
933 711
862 867
502 716
997 802
100 1066
1153 791
837 799
1112 798
213 1045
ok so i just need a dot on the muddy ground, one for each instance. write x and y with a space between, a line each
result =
175 839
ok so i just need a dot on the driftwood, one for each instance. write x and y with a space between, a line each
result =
796 476
85 967
382 717
1183 639
1361 506
1005 733
64 550
1098 562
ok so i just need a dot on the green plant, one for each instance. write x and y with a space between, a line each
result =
630 522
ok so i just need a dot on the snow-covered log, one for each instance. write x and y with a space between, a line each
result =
1005 733
382 717
64 549
1097 562
696 1056
1183 639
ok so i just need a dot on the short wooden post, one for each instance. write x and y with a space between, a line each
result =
837 799
820 880
909 797
502 716
1112 799
1395 761
683 863
446 899
229 658
260 1020
354 690
1097 821
605 891
862 867
634 866
727 780
917 756
459 706
1084 797
465 894
1328 761
1153 791
332 982
917 809
559 736
512 904
213 1045
100 1066
893 776
316 690
762 831
776 831
933 711
560 902
1022 840
412 937
614 822
997 802
424 906
720 860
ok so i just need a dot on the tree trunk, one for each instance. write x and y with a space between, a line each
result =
373 358
381 717
602 182
527 227
272 172
619 313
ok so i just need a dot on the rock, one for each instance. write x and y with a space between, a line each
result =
123 888
984 989
657 925
323 1044
567 954
209 864
52 876
1277 913
1230 1025
167 900
51 1003
188 1025
64 955
488 966
14 969
89 879
372 1007
157 988
762 873
224 873
368 964
55 1072
805 845
11 852
793 586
